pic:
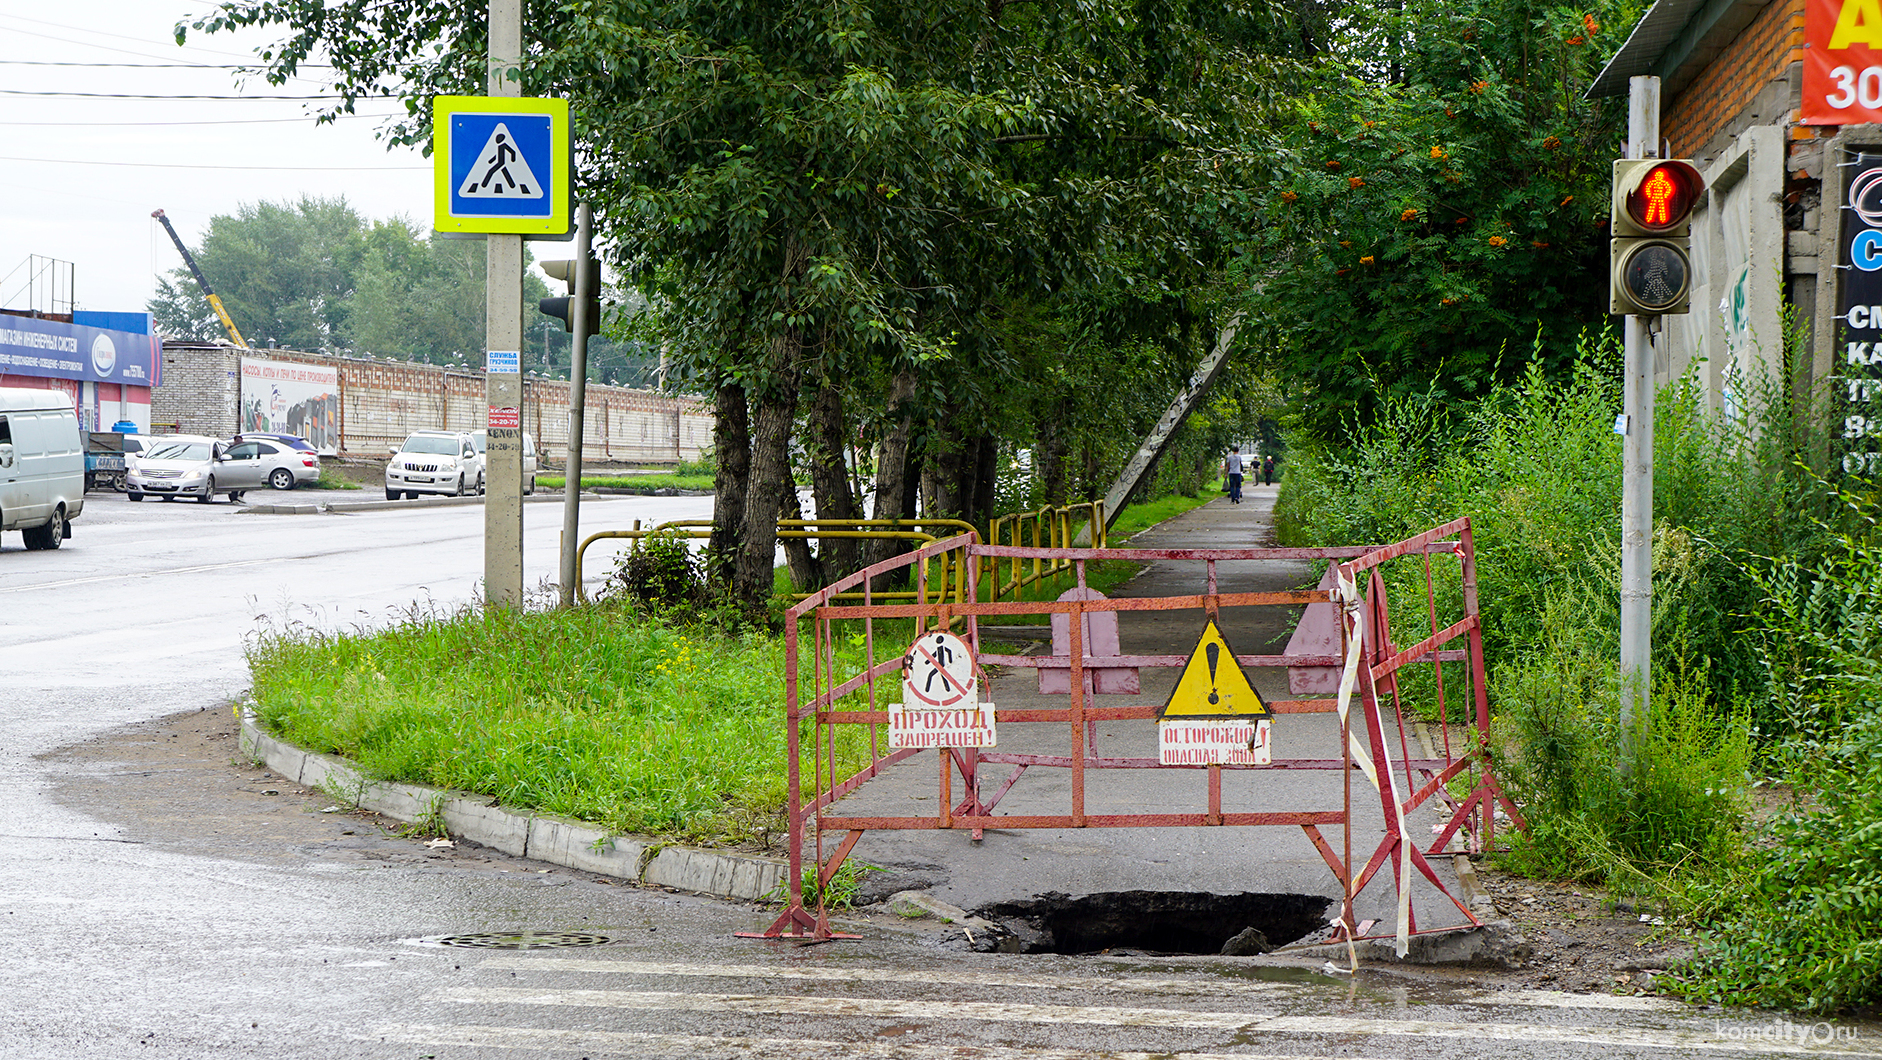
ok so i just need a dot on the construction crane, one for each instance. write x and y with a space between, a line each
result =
201 281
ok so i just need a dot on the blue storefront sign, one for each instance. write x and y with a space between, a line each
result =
49 348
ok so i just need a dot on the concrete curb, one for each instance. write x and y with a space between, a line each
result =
1494 944
541 837
540 497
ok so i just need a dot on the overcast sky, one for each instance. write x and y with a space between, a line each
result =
80 174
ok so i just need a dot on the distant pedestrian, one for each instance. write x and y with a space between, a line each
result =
1267 471
1232 467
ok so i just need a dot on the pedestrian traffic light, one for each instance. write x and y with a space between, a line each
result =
1649 229
563 309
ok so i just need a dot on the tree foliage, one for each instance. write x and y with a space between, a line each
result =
1438 215
314 275
837 205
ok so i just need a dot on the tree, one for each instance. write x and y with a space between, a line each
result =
317 276
284 272
1438 216
833 197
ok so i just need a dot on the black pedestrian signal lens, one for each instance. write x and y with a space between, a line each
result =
1655 276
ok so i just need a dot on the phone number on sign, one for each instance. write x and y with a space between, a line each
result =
1855 88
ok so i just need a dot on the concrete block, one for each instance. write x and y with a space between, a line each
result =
401 802
473 818
580 846
709 872
1497 944
917 904
317 770
1801 244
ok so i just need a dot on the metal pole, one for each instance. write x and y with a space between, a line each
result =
503 329
578 397
1643 141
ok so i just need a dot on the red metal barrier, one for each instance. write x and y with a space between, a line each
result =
1372 667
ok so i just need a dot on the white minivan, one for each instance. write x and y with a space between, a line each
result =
42 466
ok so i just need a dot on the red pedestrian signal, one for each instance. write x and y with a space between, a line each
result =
1650 226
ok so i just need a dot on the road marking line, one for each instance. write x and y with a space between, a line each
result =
148 574
1242 1022
633 1044
1524 1032
1564 999
789 1005
1203 986
1199 986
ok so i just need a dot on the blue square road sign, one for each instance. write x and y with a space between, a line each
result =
501 165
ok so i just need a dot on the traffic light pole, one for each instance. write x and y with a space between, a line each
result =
503 332
579 308
1643 141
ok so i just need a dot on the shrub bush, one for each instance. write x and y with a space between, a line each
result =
1799 927
660 571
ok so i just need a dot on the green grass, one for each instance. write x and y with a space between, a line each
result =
328 480
597 712
633 482
1137 518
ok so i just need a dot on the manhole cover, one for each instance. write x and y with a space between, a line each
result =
521 940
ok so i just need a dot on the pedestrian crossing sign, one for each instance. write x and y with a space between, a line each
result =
501 165
1213 684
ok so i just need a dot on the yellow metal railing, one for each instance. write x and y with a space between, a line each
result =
1047 528
952 581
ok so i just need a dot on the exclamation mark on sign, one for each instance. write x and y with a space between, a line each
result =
1214 652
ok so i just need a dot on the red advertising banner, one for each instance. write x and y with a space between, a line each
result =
1842 62
501 417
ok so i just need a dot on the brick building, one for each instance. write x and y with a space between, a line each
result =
366 407
1732 100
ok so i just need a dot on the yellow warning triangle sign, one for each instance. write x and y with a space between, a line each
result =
1213 684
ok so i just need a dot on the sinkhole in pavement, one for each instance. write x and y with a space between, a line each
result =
1158 922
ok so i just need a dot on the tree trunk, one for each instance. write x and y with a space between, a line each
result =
892 470
731 445
807 572
773 414
946 475
1050 464
986 480
829 478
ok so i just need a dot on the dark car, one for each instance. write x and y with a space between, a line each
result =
292 441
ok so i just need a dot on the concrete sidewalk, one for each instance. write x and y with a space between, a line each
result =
1017 865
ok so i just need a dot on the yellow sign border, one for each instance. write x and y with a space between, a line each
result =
1235 666
560 188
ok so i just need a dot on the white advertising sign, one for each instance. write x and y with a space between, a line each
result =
283 397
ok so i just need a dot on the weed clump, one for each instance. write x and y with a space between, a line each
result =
661 572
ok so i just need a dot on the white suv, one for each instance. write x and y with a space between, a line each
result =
435 462
482 438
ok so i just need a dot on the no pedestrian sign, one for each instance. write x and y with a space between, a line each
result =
500 165
941 704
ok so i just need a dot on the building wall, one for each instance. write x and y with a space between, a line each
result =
1738 121
99 405
1755 80
383 401
201 385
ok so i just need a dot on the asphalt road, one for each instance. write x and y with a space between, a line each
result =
158 900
